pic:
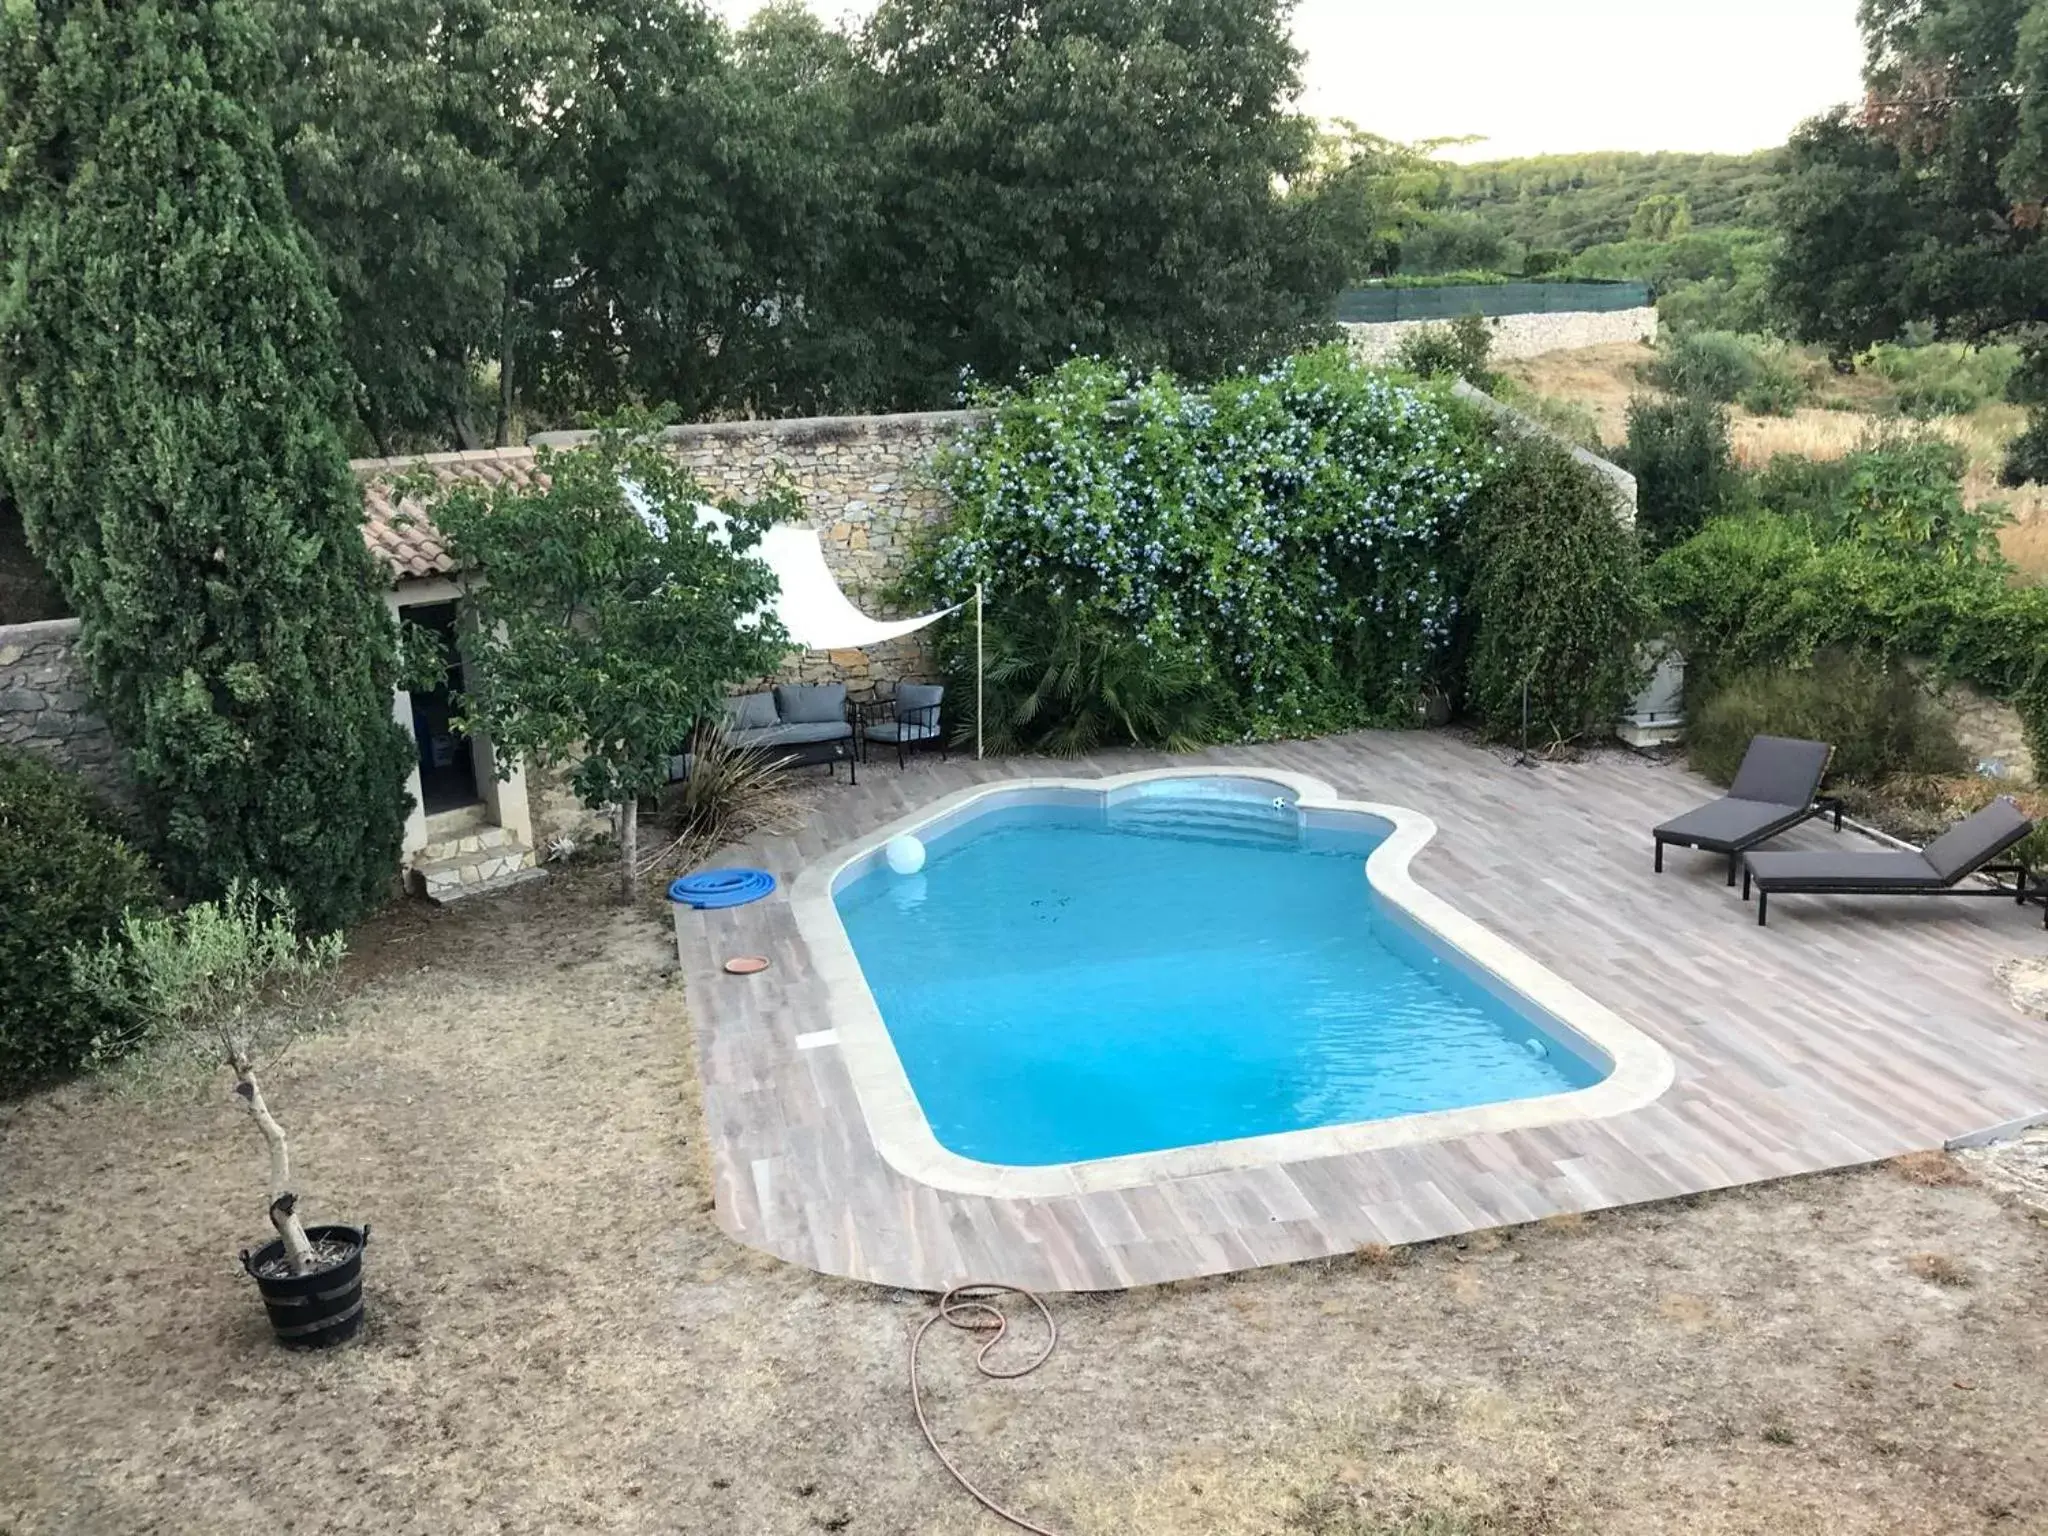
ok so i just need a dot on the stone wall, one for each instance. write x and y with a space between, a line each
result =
867 485
44 706
1518 335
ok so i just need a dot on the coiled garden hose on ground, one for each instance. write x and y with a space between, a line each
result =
972 1309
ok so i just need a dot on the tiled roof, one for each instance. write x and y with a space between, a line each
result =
397 530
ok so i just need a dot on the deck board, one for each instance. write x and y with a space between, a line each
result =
1846 1032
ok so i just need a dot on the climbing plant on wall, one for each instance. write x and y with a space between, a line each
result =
1280 554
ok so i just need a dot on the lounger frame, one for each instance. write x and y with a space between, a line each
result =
2021 894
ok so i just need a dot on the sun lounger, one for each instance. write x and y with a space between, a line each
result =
1939 869
1777 787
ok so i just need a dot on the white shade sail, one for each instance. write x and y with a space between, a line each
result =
814 612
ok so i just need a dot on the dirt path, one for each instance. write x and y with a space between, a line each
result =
561 1341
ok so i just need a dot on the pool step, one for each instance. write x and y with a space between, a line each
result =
1236 819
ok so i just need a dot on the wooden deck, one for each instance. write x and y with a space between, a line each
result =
1846 1032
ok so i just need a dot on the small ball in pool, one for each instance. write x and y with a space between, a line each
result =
905 854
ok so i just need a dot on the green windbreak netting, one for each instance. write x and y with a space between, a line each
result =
1368 306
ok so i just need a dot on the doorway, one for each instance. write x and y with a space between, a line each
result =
448 780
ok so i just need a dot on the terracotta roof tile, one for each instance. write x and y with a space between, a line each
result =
397 530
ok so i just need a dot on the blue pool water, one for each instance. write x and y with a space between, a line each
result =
1067 982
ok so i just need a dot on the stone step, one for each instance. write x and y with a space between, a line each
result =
474 843
473 874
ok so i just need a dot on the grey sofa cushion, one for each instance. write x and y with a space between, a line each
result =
811 704
751 712
794 735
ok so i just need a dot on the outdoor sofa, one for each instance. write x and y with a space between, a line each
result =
1939 869
794 724
1777 787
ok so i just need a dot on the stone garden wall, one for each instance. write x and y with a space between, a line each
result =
866 483
1517 335
44 706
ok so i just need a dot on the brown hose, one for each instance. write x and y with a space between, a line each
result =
968 1308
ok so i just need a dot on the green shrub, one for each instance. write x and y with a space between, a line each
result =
1944 378
1460 350
1706 365
1778 387
1678 451
2031 702
1765 590
1277 545
2026 456
1740 303
1897 492
1318 548
1905 493
1798 486
65 880
1877 716
1066 685
1557 599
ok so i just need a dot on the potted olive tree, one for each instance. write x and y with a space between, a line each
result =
232 983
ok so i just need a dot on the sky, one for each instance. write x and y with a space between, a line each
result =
1565 75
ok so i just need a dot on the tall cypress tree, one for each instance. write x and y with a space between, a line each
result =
169 388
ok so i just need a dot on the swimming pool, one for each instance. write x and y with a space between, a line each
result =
1095 984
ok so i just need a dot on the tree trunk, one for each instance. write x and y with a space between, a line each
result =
296 1247
629 848
504 434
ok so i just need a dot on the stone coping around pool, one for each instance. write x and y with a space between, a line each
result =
1640 1068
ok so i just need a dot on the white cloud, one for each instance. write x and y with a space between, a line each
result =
1570 75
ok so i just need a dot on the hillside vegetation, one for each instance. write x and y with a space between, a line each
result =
1570 202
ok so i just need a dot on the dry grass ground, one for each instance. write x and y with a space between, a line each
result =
561 1341
1604 379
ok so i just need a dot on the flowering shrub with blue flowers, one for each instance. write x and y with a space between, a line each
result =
1317 548
1280 550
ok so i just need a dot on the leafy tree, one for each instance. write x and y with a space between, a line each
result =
1929 202
602 619
1661 216
711 218
1455 242
168 384
414 136
1092 175
1367 191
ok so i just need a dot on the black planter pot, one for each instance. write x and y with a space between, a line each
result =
316 1310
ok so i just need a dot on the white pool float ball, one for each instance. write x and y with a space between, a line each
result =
905 854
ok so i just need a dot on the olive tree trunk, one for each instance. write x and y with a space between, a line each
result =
282 1215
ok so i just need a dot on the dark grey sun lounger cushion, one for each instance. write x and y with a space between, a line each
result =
1964 849
1774 790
